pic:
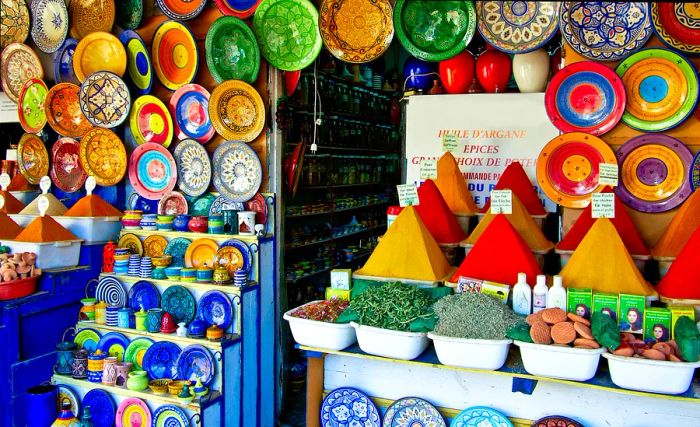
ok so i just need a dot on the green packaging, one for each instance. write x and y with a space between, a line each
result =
631 313
606 303
657 324
579 301
678 311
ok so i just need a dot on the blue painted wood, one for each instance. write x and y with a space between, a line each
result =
232 386
250 337
270 363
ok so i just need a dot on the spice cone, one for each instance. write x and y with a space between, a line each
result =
8 228
12 205
44 229
515 179
682 280
681 227
92 206
55 206
436 215
453 186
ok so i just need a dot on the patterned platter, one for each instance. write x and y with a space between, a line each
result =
215 308
189 108
102 409
568 168
49 24
234 255
103 156
237 111
154 246
14 22
32 158
346 403
139 71
193 167
434 31
239 8
99 52
173 203
177 248
519 26
136 350
258 205
150 121
64 392
200 253
87 339
585 97
144 294
654 172
133 412
196 363
174 54
170 416
556 421
152 171
63 112
695 172
18 63
480 416
63 62
105 99
131 242
111 291
231 50
181 10
129 14
66 171
677 24
180 303
662 89
202 205
287 31
239 171
605 31
90 16
356 31
412 411
221 203
30 106
114 344
160 360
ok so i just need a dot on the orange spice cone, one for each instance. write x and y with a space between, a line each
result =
453 186
681 227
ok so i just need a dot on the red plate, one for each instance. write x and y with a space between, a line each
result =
152 171
66 171
173 203
676 24
257 204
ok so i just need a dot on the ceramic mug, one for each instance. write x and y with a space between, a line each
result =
230 219
64 358
109 371
153 319
246 223
79 365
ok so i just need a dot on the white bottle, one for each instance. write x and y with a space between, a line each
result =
539 294
522 296
556 297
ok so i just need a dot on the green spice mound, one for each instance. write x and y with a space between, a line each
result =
391 306
473 315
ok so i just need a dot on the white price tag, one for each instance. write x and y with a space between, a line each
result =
502 202
5 181
449 142
408 195
428 169
603 205
45 184
90 184
608 174
43 205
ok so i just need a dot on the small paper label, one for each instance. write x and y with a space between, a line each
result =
43 205
608 174
449 142
2 201
90 184
603 205
8 109
428 169
4 181
408 195
45 184
502 202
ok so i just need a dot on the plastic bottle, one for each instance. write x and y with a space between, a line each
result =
522 296
556 296
539 294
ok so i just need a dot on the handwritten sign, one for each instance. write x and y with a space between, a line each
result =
43 205
5 181
428 169
449 142
608 174
90 184
603 205
408 195
45 184
502 202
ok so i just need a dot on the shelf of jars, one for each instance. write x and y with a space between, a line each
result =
336 236
322 208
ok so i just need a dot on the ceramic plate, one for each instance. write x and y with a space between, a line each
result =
111 291
237 111
90 16
18 63
114 344
215 309
177 248
556 421
49 24
434 31
287 31
677 24
662 89
144 294
63 62
239 171
517 27
480 416
136 350
65 392
152 170
232 51
193 167
154 246
103 156
221 203
695 172
654 171
133 412
99 51
235 255
63 112
258 205
179 302
170 416
139 71
202 206
568 168
160 360
346 403
189 108
239 8
30 107
173 203
412 411
174 54
605 31
200 252
32 158
132 242
196 363
87 339
66 171
104 99
181 10
102 409
150 121
129 13
14 25
137 202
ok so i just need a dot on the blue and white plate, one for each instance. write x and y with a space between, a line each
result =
345 405
114 344
180 303
215 309
139 203
193 167
65 392
160 360
480 416
111 291
102 408
145 294
196 363
239 171
245 252
222 203
170 416
63 62
177 248
412 411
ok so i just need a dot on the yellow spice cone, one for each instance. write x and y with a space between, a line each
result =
601 262
681 227
453 186
407 251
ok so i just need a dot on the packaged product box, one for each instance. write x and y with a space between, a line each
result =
678 311
657 324
631 313
342 294
579 301
341 278
497 290
607 303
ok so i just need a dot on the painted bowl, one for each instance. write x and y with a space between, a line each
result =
173 273
159 387
162 261
175 387
129 222
188 272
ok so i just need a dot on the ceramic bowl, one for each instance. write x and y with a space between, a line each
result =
159 387
173 273
124 257
162 261
188 272
198 328
127 222
175 387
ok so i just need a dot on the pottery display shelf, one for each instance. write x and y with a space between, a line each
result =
161 284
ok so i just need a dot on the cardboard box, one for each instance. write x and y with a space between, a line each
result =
341 279
631 313
657 324
608 303
678 311
579 301
341 294
497 290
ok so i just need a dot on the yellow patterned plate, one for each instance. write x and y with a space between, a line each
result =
237 111
99 52
174 55
90 16
229 257
14 22
132 242
103 156
32 158
154 246
18 63
201 251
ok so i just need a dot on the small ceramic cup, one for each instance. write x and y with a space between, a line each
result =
246 223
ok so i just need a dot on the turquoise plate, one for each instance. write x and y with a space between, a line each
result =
179 302
177 248
480 416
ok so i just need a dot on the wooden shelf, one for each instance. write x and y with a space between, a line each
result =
190 235
204 287
342 236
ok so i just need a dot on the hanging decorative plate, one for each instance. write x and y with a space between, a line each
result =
287 31
49 24
244 252
99 52
102 409
129 13
150 121
654 171
90 16
32 158
232 51
30 107
568 168
412 411
160 360
239 172
154 246
139 203
480 416
64 392
14 22
143 293
170 416
18 63
87 339
556 421
173 203
239 8
136 350
111 291
346 403
662 89
585 97
114 344
221 203
677 24
104 99
202 205
201 252
152 170
103 156
237 111
695 173
131 242
196 363
66 171
434 31
229 257
139 71
133 412
174 54
63 62
605 31
63 111
193 168
356 40
517 27
215 309
177 248
180 303
181 10
189 108
258 205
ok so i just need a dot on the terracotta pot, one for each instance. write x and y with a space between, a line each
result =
457 72
531 71
198 224
493 71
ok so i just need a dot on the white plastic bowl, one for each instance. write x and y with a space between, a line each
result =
92 229
313 333
61 254
392 344
553 361
655 376
23 220
470 353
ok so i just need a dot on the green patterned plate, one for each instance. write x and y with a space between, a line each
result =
434 30
232 51
135 351
201 206
129 13
87 339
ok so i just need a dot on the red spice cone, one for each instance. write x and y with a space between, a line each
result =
437 216
683 278
515 179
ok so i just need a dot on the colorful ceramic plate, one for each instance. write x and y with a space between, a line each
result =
180 303
517 27
480 416
150 121
287 31
221 203
129 13
104 99
99 51
139 71
239 172
258 205
356 40
201 206
102 409
585 97
170 416
193 167
662 89
144 294
215 309
412 411
239 8
695 172
111 291
196 363
49 24
434 31
177 248
87 339
174 54
556 421
143 204
64 392
568 168
103 156
154 246
66 171
63 62
32 158
201 252
189 108
605 31
63 112
90 16
160 360
30 107
181 10
133 412
132 243
136 350
237 111
173 203
677 24
18 63
152 170
14 22
114 344
234 255
232 51
654 171
346 403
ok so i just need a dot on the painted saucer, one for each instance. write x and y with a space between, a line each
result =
90 16
154 246
556 421
99 51
32 158
189 108
144 294
132 242
65 392
221 203
193 167
232 51
49 24
111 291
677 24
31 107
174 54
258 205
18 63
170 416
235 255
114 344
517 27
14 22
160 360
104 99
181 10
133 412
103 156
63 112
66 171
215 308
695 173
238 8
202 205
173 203
63 62
196 363
87 339
201 252
150 121
411 411
152 171
177 248
239 171
135 351
179 302
237 111
347 403
102 408
139 71
137 202
480 416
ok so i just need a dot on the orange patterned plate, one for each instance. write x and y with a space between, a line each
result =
229 257
89 16
174 54
66 171
154 246
30 108
18 63
103 156
32 158
201 251
237 111
63 112
99 52
181 10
